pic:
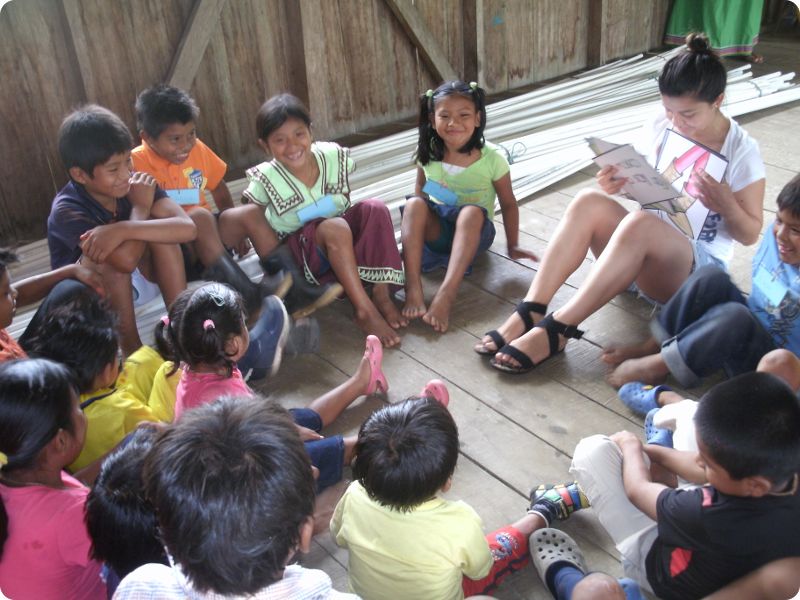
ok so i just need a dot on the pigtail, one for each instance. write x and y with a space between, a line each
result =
429 145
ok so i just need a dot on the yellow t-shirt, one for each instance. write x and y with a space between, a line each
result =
112 413
423 553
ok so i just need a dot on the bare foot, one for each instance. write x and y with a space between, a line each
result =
385 305
648 369
414 307
372 322
614 356
438 315
535 344
510 330
753 59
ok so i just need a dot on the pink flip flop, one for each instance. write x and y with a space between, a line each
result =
437 390
374 354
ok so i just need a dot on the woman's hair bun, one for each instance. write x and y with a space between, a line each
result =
698 43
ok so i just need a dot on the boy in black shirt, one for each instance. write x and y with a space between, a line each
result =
688 543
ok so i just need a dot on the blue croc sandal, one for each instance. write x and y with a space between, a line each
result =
655 435
641 398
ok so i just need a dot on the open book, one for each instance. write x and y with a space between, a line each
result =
665 188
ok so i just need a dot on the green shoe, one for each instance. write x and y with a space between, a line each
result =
557 501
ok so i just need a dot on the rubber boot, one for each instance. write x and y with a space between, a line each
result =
226 270
303 298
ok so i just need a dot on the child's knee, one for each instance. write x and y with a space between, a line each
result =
334 231
416 207
471 216
782 363
598 586
595 454
203 220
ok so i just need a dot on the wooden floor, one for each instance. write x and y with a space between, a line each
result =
520 431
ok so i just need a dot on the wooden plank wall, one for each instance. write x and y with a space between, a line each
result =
351 60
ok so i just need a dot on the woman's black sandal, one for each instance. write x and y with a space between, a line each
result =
524 310
554 329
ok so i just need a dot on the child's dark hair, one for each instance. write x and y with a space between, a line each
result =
789 197
406 452
276 111
91 135
231 484
200 322
430 146
751 427
35 403
162 105
82 335
120 520
696 71
7 257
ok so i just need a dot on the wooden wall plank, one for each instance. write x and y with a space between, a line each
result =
202 22
427 45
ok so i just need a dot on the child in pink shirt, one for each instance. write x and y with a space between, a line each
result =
45 545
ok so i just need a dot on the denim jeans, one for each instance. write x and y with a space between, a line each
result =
707 326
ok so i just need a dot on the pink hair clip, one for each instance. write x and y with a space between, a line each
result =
165 320
208 324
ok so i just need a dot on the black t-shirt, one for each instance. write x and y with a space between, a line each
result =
707 539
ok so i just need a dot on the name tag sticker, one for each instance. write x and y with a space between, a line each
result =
185 196
441 193
770 286
322 208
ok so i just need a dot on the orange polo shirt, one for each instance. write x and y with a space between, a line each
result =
202 170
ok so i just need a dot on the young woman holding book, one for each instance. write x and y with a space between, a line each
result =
638 247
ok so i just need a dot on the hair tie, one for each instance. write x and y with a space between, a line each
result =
208 324
429 93
473 85
165 320
3 460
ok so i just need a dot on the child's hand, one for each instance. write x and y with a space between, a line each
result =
98 243
627 441
518 253
714 195
143 190
308 435
88 277
608 181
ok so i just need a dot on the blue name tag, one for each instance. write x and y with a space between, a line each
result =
185 196
441 193
322 208
770 286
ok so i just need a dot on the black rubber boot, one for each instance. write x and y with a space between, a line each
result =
226 270
303 298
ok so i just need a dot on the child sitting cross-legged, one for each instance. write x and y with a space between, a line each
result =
234 493
205 333
689 543
405 541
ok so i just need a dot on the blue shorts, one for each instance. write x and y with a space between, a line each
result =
436 253
326 454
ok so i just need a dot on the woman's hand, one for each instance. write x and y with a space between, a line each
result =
714 195
608 181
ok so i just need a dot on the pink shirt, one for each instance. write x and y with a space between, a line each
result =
46 554
196 388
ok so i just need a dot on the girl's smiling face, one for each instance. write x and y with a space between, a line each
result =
289 144
455 119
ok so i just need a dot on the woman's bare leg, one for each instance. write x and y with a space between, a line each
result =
419 224
465 243
643 249
588 224
335 238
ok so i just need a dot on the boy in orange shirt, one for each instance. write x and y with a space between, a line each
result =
185 167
